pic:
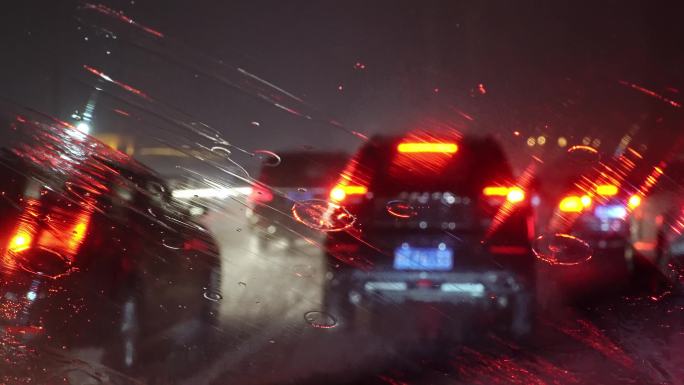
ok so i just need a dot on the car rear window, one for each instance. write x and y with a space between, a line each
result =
303 170
476 163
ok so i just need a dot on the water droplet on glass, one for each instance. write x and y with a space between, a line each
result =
322 215
583 154
242 284
173 243
301 189
255 123
319 319
268 158
212 296
45 263
400 209
561 249
221 150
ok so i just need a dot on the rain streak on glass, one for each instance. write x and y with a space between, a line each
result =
400 209
221 150
319 319
583 154
561 249
322 215
173 243
268 158
303 271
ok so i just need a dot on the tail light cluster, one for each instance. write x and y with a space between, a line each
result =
354 182
64 235
512 194
574 203
579 203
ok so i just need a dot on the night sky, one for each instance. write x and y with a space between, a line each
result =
376 67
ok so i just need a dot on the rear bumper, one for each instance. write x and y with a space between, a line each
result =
493 288
603 241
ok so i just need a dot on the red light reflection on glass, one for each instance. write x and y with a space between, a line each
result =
123 18
650 93
587 333
106 77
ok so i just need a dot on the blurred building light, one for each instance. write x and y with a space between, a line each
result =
531 141
562 142
596 143
586 140
541 140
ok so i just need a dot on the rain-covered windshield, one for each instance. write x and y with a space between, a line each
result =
386 192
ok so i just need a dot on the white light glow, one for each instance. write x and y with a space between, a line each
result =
83 127
220 193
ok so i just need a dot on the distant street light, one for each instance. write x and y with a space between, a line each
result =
83 127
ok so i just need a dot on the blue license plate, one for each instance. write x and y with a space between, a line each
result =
610 212
300 195
423 258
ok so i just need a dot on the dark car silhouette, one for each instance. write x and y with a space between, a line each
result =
440 222
93 249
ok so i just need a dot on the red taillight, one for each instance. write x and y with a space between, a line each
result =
607 189
341 191
20 241
495 191
512 194
425 147
515 195
574 203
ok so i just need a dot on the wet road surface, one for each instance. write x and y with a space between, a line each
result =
266 293
260 336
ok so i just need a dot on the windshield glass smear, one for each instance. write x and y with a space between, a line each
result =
305 193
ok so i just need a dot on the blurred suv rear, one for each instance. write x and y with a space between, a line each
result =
300 176
440 221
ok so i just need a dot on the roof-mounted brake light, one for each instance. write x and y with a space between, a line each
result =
425 147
